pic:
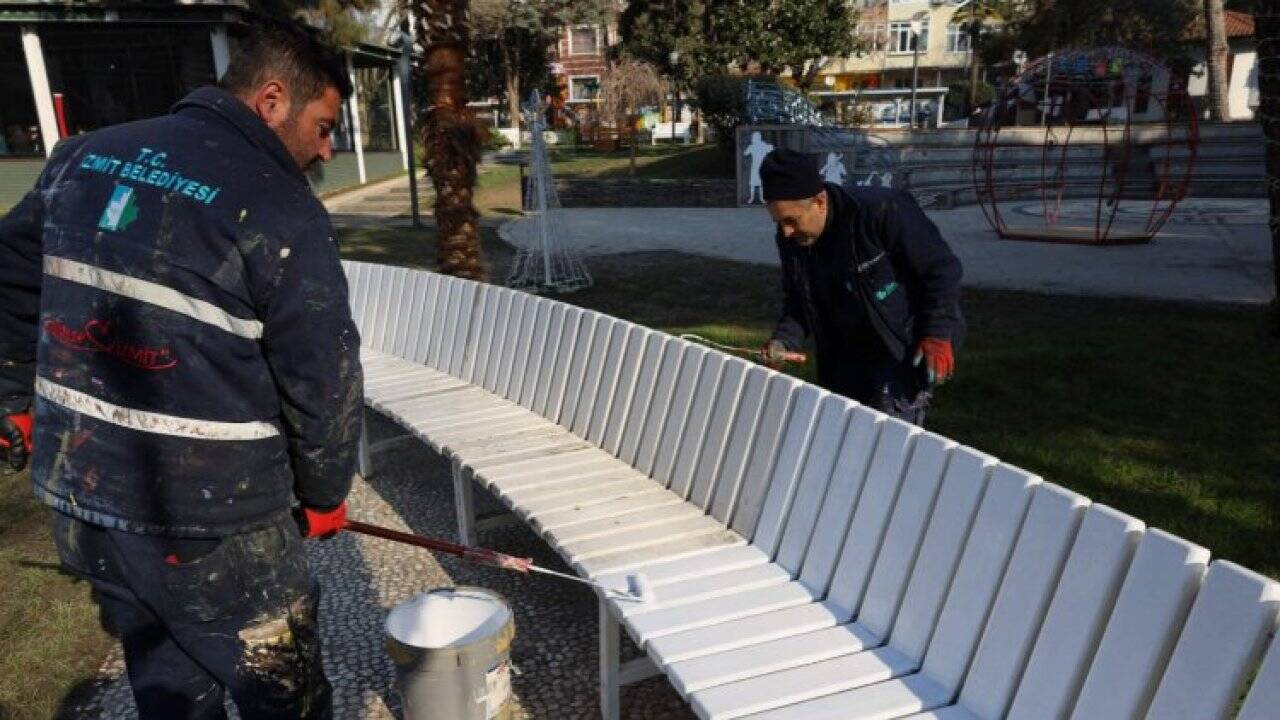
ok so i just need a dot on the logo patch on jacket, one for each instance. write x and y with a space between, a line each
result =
120 211
886 291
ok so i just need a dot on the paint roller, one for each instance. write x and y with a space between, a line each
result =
797 358
638 589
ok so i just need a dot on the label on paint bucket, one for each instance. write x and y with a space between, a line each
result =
498 682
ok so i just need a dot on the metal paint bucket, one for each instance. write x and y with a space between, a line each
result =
452 648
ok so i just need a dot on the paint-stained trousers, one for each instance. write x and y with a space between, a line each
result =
199 618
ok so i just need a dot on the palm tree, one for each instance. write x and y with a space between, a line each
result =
1216 53
452 137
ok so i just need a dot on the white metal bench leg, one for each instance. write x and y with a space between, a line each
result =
464 503
364 459
610 670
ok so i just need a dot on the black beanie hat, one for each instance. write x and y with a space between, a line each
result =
789 175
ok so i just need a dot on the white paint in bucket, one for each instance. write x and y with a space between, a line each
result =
446 618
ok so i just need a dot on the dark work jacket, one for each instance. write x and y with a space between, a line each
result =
171 295
878 280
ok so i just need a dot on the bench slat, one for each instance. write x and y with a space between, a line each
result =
593 334
442 325
657 519
815 475
601 376
609 432
1264 695
417 306
753 440
407 316
507 306
1227 629
889 699
871 517
1153 603
698 433
714 641
763 515
454 357
714 584
1080 608
682 400
513 346
849 478
546 335
645 420
531 316
673 550
721 609
628 339
905 534
548 402
740 393
634 539
620 511
497 305
1047 535
665 572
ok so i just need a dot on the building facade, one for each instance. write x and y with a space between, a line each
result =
70 68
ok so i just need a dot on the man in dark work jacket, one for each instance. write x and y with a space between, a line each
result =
869 278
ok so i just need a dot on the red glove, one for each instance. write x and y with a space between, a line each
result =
939 359
321 523
15 439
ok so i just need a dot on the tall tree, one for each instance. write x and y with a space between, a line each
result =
627 86
452 137
342 22
1267 32
1216 53
1157 27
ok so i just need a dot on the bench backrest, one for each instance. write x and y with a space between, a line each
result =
1020 598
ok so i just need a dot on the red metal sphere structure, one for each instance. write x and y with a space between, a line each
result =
1104 138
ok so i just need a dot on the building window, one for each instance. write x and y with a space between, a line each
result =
377 109
110 75
900 37
583 41
19 127
584 87
957 38
872 36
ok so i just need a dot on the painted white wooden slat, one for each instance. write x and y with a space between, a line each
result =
549 398
905 534
403 314
658 404
609 434
683 548
510 342
410 332
674 571
643 537
632 430
640 508
463 338
420 330
769 517
892 699
1041 552
456 314
593 329
1264 694
546 335
1225 633
603 344
721 609
482 316
1153 603
695 437
1080 608
875 507
534 307
712 585
660 520
740 394
428 324
490 297
487 361
771 630
446 320
682 397
849 476
982 566
390 308
742 506
816 473
375 306
369 303
591 423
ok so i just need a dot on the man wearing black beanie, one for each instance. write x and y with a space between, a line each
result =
869 278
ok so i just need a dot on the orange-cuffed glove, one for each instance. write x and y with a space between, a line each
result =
15 439
940 360
321 523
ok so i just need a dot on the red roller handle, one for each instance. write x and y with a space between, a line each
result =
470 554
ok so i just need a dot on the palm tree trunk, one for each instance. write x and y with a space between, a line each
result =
452 137
1216 53
1267 31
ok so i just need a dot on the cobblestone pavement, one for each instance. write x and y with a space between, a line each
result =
363 577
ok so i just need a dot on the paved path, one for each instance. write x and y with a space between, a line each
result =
363 577
1211 250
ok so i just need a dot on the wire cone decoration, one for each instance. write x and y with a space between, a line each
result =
542 263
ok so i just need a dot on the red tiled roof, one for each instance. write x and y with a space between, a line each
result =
1239 25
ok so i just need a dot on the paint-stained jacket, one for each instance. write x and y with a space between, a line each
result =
878 280
171 295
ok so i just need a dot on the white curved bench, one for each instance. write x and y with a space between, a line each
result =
810 558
